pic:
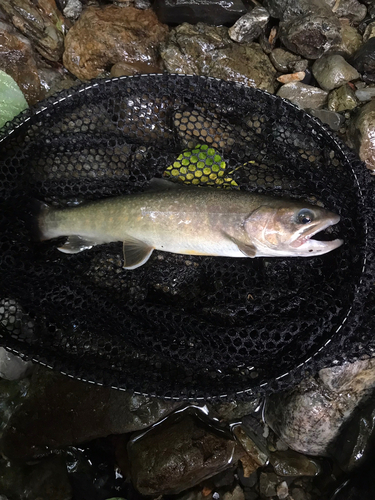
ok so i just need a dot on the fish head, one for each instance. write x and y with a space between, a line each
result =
286 229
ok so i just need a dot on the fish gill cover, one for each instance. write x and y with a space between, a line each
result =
181 326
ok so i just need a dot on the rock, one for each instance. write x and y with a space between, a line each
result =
17 60
208 51
41 23
236 494
300 494
44 479
352 10
73 9
282 490
304 96
369 32
54 411
268 482
287 62
257 453
54 80
232 410
308 417
214 12
294 77
126 35
351 39
362 134
12 367
364 60
249 26
332 71
129 69
342 99
365 94
334 120
291 463
178 454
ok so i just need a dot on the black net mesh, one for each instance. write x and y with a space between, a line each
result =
181 326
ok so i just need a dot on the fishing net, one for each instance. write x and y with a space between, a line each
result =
181 326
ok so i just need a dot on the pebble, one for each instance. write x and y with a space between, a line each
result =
365 94
294 77
287 62
12 367
351 39
304 96
364 60
248 27
268 482
334 120
342 99
332 71
291 463
349 9
369 32
282 490
73 9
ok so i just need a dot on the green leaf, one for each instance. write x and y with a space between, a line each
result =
12 100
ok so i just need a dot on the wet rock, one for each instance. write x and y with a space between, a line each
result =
330 118
309 416
56 411
362 134
233 410
257 453
364 60
208 51
213 12
342 99
282 490
351 39
73 9
126 35
291 463
365 94
43 480
249 26
332 71
41 23
17 60
308 28
349 9
129 69
178 454
304 96
54 80
12 367
369 32
287 62
236 494
268 482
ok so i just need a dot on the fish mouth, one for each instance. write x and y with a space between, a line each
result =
315 241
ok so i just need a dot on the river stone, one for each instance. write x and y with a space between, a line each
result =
178 454
12 367
362 133
126 35
309 417
40 480
364 60
208 51
73 9
17 60
332 71
342 99
304 96
249 26
348 9
215 12
334 120
287 62
291 463
365 94
40 22
351 39
54 411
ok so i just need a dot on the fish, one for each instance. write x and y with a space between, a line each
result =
189 220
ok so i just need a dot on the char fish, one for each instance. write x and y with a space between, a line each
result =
191 221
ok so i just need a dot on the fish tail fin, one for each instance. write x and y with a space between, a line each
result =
39 229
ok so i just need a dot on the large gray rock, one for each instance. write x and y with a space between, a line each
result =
178 454
50 411
249 26
304 96
362 134
208 51
309 417
332 71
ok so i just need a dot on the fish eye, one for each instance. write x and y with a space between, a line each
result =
305 216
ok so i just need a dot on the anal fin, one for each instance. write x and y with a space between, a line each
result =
136 252
76 244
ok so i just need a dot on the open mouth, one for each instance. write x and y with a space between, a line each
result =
321 238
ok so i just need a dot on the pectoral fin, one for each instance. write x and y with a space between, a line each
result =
76 244
247 249
136 253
